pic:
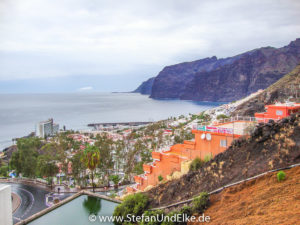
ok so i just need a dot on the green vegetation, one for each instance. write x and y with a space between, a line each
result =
4 171
116 179
155 213
25 159
134 204
222 116
160 178
196 164
91 159
204 117
207 157
280 176
200 203
77 168
46 166
171 219
186 210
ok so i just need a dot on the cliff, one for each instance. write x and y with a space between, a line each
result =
146 87
287 88
228 79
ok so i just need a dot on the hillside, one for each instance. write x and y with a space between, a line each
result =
260 201
146 87
272 145
228 79
287 88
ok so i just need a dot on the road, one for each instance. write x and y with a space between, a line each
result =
32 200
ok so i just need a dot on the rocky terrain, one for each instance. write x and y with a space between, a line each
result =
271 146
260 201
228 79
285 89
146 87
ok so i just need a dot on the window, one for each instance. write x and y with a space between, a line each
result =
223 143
279 112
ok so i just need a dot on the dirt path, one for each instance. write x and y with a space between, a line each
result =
261 201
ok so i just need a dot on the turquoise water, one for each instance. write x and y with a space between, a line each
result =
20 112
77 212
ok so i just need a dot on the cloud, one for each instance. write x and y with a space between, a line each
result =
89 88
58 38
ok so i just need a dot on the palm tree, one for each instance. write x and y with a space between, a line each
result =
91 159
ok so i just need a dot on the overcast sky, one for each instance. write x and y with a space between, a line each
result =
113 45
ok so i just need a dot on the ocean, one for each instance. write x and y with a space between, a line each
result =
19 113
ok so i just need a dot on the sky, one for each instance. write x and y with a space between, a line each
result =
114 45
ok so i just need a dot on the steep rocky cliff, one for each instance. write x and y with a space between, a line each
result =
287 88
146 87
227 79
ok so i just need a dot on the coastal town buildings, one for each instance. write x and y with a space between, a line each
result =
46 128
208 142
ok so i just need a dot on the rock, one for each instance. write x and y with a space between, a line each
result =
228 79
146 87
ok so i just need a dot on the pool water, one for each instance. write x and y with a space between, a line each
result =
77 212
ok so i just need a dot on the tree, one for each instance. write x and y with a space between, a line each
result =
91 159
116 179
77 167
106 148
25 159
47 167
120 153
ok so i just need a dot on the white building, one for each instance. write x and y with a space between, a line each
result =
46 128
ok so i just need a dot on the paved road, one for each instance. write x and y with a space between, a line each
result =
32 200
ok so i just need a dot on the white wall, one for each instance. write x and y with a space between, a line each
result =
5 205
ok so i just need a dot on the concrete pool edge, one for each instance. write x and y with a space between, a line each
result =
47 210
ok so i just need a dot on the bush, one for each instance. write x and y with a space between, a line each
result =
196 164
222 116
160 178
4 171
156 213
207 158
280 176
200 203
134 204
171 218
186 210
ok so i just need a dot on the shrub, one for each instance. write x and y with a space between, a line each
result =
280 176
171 219
186 210
160 178
149 214
196 164
222 116
134 204
207 158
200 203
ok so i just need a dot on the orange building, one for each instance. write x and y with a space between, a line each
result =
277 111
208 141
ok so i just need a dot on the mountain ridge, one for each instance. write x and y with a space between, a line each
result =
225 79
